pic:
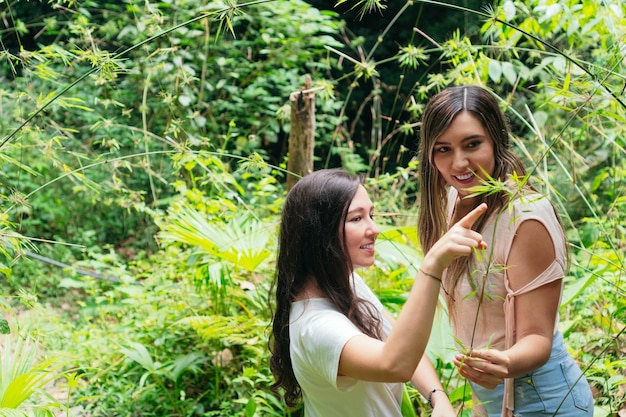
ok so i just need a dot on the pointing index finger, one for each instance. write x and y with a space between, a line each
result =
471 217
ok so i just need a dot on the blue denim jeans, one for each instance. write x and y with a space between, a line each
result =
558 388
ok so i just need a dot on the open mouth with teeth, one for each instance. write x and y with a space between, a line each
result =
465 178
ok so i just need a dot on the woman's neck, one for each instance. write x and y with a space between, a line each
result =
462 206
310 290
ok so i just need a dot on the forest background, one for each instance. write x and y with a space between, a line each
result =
143 149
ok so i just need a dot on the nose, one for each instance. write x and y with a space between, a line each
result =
459 161
373 230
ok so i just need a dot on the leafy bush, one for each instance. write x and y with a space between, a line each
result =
150 139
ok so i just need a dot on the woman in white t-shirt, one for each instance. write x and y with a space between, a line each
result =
333 347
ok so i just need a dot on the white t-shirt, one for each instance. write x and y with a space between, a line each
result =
318 334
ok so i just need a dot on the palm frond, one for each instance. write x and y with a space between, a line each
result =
242 241
21 375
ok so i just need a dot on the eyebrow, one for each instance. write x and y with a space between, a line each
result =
360 208
471 137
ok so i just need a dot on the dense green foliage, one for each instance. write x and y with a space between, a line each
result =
143 146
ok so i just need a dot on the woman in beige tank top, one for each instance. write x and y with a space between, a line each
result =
504 301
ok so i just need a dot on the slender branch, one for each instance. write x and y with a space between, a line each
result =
117 56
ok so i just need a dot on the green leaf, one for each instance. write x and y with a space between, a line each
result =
243 241
8 412
407 405
508 70
138 353
495 70
4 326
21 374
573 289
250 408
188 362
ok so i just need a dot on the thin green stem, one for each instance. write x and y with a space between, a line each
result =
117 56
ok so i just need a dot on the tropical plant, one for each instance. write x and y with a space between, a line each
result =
23 377
156 152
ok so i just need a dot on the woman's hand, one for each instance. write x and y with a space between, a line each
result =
460 240
487 368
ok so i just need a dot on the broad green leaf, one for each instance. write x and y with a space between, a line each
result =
139 353
495 70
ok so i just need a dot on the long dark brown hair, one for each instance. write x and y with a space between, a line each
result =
311 246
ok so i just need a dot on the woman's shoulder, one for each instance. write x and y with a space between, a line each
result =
315 312
317 323
532 199
537 207
533 205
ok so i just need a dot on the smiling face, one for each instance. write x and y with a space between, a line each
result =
464 153
360 230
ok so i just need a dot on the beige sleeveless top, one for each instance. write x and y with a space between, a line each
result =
489 321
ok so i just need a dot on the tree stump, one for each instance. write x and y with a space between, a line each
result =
302 134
